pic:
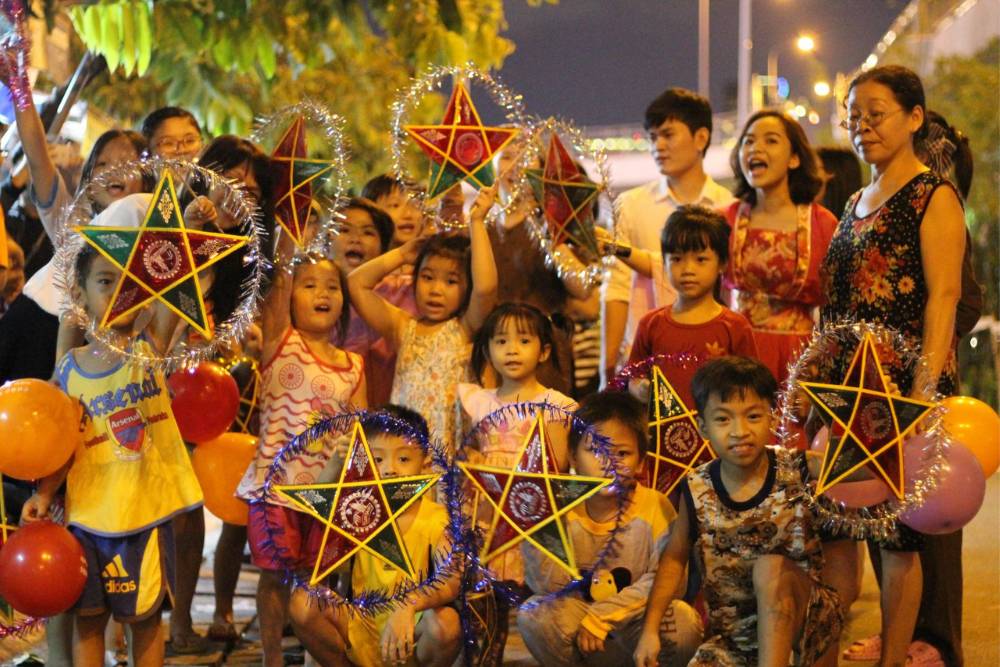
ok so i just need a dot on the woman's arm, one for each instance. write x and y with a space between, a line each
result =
484 268
942 245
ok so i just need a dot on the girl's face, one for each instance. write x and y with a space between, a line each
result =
317 297
358 240
176 138
241 174
407 219
440 288
515 353
117 151
766 153
878 126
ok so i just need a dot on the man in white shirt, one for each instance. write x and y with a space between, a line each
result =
679 123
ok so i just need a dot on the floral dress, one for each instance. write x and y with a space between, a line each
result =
874 272
428 370
776 278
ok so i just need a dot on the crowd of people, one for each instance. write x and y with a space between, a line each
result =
442 328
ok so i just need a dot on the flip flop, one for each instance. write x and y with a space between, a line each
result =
864 650
922 654
191 644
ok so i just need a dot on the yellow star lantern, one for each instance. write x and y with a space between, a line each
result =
461 148
360 511
295 174
867 422
679 447
160 260
530 499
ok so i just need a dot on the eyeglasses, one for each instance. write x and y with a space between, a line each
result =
853 122
184 144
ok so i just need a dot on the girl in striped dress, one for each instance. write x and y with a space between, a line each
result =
305 377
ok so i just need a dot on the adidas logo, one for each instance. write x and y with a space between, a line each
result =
116 570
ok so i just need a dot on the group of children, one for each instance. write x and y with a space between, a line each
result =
396 315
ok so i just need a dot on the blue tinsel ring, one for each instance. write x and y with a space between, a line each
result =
639 370
521 412
22 627
378 601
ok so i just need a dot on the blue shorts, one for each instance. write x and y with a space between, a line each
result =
130 576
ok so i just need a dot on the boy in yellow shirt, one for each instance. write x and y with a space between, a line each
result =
130 476
422 629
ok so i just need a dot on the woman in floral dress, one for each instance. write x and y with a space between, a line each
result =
896 259
779 236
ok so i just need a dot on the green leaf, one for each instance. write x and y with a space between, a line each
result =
111 39
267 58
127 18
92 27
143 35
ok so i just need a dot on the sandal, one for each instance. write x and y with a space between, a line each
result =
223 631
922 654
864 650
191 644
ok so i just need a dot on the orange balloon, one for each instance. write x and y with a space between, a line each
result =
219 465
39 428
977 426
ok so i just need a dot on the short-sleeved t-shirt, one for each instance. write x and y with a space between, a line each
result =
659 333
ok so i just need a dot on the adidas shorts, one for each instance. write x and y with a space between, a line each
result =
130 576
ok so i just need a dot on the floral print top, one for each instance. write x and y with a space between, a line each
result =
776 273
874 269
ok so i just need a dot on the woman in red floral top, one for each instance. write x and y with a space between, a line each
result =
779 236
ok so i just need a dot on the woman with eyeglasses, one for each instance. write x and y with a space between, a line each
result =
172 132
896 259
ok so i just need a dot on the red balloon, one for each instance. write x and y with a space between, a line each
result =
206 400
42 569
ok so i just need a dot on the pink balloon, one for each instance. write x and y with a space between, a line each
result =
958 495
851 494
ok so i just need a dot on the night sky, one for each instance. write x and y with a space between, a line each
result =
600 62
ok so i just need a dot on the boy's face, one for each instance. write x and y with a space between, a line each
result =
739 428
358 240
317 297
675 148
694 273
98 288
624 447
396 456
406 216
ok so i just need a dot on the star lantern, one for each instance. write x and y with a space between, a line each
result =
530 499
295 174
867 422
461 148
679 447
566 197
360 511
160 260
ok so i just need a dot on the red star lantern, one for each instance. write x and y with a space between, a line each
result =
679 445
529 500
360 511
161 260
295 174
461 148
867 422
566 196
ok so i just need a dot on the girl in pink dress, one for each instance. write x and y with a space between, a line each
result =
305 377
779 236
515 340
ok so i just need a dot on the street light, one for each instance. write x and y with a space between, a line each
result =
821 88
805 43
